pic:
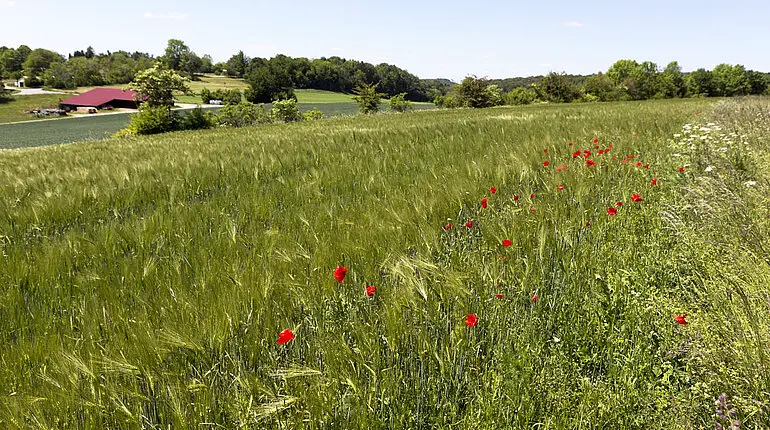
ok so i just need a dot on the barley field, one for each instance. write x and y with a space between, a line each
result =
543 267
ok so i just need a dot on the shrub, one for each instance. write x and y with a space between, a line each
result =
242 114
152 120
519 96
286 111
368 98
313 114
398 103
206 96
5 95
195 119
231 97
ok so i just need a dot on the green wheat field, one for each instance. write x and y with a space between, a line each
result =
144 282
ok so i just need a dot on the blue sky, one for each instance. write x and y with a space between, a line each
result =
429 38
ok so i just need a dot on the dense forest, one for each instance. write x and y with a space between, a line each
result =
277 78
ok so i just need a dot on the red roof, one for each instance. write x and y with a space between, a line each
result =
99 96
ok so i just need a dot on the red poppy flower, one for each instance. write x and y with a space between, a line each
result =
285 336
680 319
515 198
469 224
531 196
654 181
588 224
624 161
638 164
606 150
619 204
507 242
484 203
448 226
630 156
681 169
534 297
646 166
370 289
562 167
636 198
614 157
339 273
576 154
697 113
586 153
471 320
601 152
612 211
499 296
590 163
546 163
493 190
532 209
560 187
545 150
596 140
570 144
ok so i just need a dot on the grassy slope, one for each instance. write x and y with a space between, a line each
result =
15 110
147 280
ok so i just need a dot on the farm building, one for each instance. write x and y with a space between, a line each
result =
102 98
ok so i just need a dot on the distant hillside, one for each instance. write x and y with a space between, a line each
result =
511 83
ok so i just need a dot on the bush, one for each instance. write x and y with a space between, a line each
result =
152 120
398 103
368 98
519 96
206 96
313 114
242 114
5 95
228 97
195 119
286 111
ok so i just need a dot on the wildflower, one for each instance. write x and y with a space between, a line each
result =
570 144
562 167
630 156
750 183
285 336
531 196
515 198
507 242
646 166
484 203
469 224
576 154
612 211
709 168
680 319
448 226
586 153
370 289
532 209
619 204
339 273
654 181
590 163
471 320
638 164
499 296
681 169
634 137
560 187
545 150
493 190
588 224
596 140
601 152
546 163
534 297
596 147
636 198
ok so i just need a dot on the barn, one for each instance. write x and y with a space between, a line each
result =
102 98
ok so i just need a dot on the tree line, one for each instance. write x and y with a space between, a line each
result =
624 80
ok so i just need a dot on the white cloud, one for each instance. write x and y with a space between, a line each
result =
573 24
167 16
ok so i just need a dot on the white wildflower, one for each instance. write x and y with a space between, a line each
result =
709 168
750 183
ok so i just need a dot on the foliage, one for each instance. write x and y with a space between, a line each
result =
368 98
156 85
58 76
313 115
242 114
398 103
152 119
285 111
231 96
5 95
519 96
195 119
175 53
267 84
730 80
557 88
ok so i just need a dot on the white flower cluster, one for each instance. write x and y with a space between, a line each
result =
700 137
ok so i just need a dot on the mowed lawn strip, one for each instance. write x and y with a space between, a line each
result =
16 109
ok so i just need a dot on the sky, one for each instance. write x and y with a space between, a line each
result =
431 39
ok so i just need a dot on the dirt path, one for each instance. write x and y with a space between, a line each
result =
31 91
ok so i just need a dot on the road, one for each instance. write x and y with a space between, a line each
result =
31 91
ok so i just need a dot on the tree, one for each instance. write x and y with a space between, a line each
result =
399 104
267 85
556 87
190 63
700 82
368 98
602 87
671 81
59 76
758 82
175 50
519 96
730 80
157 84
236 65
39 60
5 95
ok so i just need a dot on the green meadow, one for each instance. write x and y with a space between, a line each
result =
145 281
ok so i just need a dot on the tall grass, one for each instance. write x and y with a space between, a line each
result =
145 281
